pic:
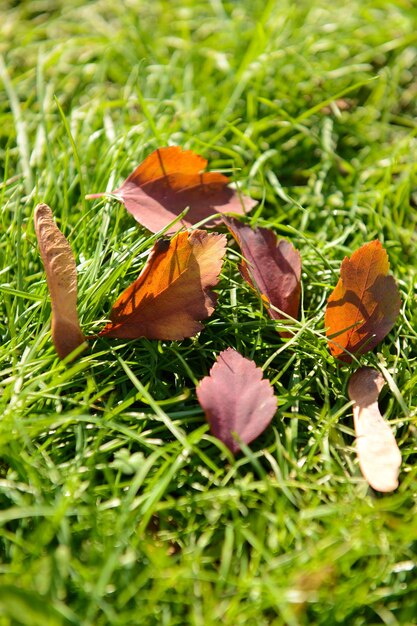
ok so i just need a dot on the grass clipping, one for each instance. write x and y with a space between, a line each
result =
61 276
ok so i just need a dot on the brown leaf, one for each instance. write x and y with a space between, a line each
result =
61 276
378 453
172 293
168 181
364 305
271 266
238 403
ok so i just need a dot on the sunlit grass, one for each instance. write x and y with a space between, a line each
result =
117 506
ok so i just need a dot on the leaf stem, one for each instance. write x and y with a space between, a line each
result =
92 196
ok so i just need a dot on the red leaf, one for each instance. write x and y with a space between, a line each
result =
364 304
172 293
168 181
236 399
378 453
271 266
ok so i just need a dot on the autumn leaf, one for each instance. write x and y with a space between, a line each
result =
237 402
364 305
172 293
378 453
271 266
171 179
61 276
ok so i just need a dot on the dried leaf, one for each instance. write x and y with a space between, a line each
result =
168 181
238 403
364 305
61 276
271 266
378 453
172 293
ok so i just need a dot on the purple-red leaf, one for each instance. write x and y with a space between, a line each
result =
170 180
238 403
271 266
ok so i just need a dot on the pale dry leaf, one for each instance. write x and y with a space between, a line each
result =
61 276
378 453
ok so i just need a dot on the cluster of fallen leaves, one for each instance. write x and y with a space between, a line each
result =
173 294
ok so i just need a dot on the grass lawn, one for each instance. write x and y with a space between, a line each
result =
117 506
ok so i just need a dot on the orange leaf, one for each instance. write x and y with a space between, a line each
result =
271 266
237 401
61 276
168 181
364 305
172 293
378 453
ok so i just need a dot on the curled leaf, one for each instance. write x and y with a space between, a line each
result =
172 293
61 276
171 179
378 453
364 305
271 266
238 403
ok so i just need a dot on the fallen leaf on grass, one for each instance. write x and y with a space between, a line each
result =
271 266
237 402
378 453
172 293
171 179
364 305
61 276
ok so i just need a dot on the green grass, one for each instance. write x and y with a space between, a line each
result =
116 504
